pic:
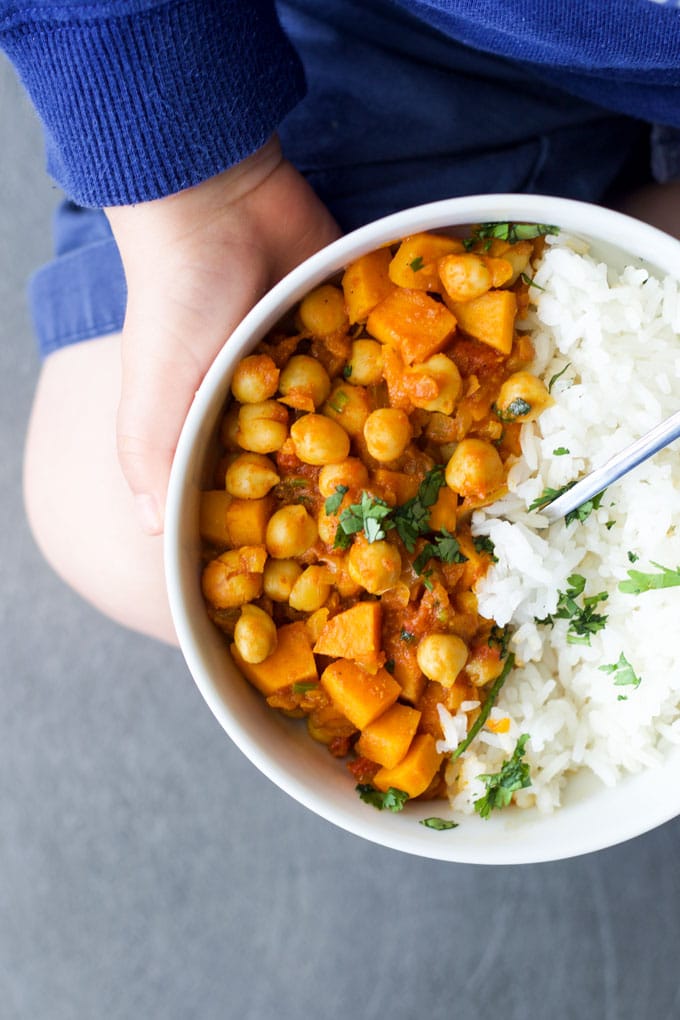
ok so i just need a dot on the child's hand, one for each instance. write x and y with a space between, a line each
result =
195 263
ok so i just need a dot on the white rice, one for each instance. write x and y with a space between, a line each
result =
618 336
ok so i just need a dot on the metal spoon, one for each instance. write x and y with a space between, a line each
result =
614 468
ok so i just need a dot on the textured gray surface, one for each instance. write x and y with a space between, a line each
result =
148 870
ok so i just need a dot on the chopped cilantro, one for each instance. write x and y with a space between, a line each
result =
583 512
445 547
416 263
440 824
580 514
548 495
515 409
392 799
408 636
500 786
632 557
491 698
583 620
609 525
513 232
483 544
332 504
639 581
560 451
367 516
558 375
347 372
623 672
412 518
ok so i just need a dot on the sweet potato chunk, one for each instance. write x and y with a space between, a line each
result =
489 318
228 521
213 516
353 634
291 662
415 772
388 738
366 282
413 322
359 695
415 264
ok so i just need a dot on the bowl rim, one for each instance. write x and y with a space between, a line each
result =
638 240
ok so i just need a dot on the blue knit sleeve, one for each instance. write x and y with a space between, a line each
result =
143 99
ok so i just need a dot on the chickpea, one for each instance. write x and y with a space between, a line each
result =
262 427
475 469
323 311
290 532
318 440
522 397
279 578
465 276
349 406
251 476
447 377
226 584
311 590
308 374
366 363
255 379
441 657
376 566
255 634
352 473
387 432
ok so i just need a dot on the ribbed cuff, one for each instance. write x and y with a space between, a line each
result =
146 104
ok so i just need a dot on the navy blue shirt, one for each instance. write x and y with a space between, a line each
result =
143 98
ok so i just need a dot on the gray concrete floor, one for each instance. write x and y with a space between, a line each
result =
148 870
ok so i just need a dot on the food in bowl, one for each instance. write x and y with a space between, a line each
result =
358 507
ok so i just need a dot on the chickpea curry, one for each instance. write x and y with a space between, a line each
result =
358 438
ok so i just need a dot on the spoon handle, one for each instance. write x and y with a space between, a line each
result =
614 468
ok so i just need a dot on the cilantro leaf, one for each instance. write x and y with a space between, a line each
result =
583 620
500 786
416 263
639 581
624 674
483 544
332 504
412 518
486 708
367 516
582 512
445 547
513 232
548 495
440 824
391 800
560 451
515 409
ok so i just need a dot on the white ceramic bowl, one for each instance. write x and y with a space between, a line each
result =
593 816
